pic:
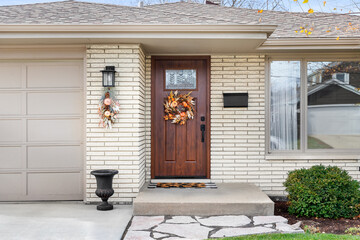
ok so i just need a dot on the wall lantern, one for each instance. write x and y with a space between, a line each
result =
108 76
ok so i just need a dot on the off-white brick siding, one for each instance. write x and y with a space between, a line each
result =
238 134
123 147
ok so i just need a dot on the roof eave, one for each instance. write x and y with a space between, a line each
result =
135 28
310 44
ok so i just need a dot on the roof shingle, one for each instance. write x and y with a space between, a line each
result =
76 12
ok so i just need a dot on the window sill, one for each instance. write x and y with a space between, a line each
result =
312 157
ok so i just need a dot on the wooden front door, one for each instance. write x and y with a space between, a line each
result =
180 151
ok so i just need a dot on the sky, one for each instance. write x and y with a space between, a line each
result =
339 6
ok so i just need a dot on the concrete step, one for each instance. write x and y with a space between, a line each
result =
227 199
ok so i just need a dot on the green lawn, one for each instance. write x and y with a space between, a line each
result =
306 236
314 143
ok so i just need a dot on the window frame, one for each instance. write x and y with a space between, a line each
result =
303 152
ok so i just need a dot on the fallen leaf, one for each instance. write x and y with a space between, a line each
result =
337 38
296 31
328 31
311 10
309 33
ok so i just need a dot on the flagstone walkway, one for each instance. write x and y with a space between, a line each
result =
198 228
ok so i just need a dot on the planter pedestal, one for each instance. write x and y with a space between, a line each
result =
104 188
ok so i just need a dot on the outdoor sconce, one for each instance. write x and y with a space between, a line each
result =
108 76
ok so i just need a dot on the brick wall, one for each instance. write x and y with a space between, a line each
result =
123 147
238 134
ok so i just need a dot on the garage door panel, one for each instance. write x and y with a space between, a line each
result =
12 184
55 103
53 157
10 103
11 75
11 130
60 130
41 129
55 184
11 157
54 75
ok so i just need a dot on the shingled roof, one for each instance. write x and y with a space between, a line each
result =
76 12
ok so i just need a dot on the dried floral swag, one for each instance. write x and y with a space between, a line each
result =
108 110
179 107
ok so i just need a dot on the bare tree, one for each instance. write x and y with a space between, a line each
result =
252 4
257 4
356 4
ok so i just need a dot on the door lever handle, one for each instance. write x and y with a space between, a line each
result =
202 129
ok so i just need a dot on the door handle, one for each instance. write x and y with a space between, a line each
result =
202 129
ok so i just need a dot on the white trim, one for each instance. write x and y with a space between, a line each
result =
136 28
321 156
133 35
303 152
310 44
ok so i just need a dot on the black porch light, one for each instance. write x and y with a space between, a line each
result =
108 76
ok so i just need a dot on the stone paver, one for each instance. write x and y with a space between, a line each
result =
159 235
173 238
259 220
188 231
137 235
199 228
232 232
145 223
225 221
286 228
181 219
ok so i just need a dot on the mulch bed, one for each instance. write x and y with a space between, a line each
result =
337 226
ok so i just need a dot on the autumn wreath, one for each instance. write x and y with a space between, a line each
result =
108 109
179 107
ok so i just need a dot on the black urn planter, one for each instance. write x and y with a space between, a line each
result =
104 188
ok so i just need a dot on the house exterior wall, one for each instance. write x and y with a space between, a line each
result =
238 135
123 147
238 152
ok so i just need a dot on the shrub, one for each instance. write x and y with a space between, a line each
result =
321 191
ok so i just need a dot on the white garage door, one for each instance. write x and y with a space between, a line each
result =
41 130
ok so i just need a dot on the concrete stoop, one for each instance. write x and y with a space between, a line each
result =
227 199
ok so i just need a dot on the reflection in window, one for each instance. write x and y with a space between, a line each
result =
180 79
285 105
333 111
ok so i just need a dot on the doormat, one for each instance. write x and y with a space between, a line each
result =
182 185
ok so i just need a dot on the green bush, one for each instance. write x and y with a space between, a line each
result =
321 191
